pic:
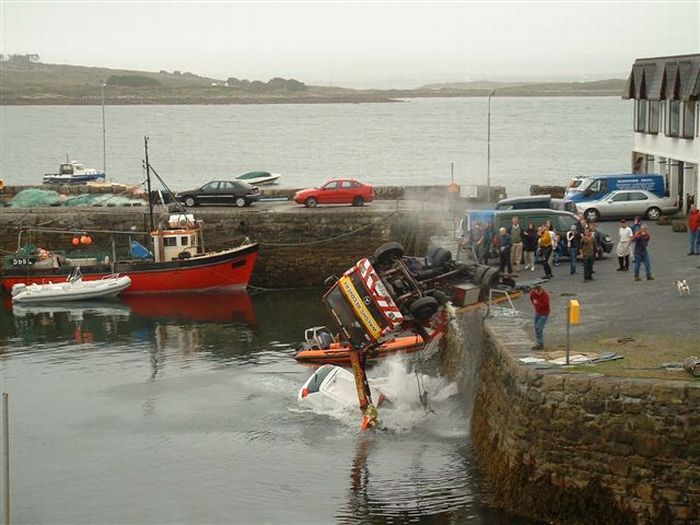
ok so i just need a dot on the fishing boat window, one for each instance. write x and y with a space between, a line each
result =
66 169
184 241
170 241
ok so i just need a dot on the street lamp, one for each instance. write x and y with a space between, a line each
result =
104 131
488 151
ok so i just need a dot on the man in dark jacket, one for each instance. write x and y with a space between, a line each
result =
504 246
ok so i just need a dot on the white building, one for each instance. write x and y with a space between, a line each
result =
667 122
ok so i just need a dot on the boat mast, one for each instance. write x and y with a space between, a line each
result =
148 181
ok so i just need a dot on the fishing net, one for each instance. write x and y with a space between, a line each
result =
33 197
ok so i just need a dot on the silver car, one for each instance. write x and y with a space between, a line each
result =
627 204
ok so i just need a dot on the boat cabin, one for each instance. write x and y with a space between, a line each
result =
69 168
180 240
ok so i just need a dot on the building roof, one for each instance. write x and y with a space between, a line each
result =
658 78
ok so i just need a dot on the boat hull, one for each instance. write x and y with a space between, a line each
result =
73 179
339 353
225 270
71 291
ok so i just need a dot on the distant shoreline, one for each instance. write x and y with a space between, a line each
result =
217 101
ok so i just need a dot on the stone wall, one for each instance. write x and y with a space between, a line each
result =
297 249
576 448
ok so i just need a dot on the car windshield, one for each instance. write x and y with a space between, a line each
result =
316 380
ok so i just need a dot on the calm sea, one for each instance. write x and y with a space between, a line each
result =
183 409
533 140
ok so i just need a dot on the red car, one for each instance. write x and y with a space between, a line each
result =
338 191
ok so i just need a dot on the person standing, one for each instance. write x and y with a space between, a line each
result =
544 242
530 246
573 243
516 237
540 300
636 226
694 230
485 247
641 252
588 251
624 239
505 245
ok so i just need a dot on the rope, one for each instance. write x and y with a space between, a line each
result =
321 241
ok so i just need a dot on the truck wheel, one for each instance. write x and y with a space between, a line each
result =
388 252
441 297
424 308
311 202
440 257
190 202
591 215
653 213
490 279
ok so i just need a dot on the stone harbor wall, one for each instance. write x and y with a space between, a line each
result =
296 249
576 448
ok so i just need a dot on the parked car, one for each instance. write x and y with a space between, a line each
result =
220 192
536 201
561 222
597 187
627 204
337 191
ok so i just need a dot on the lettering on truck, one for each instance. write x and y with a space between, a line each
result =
358 305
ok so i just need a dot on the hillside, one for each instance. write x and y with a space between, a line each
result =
34 83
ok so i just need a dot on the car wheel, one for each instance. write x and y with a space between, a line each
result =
311 202
240 202
424 308
358 201
190 202
653 214
388 252
591 215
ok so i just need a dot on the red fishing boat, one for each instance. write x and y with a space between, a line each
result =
178 261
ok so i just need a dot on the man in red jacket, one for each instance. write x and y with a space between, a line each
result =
694 230
540 300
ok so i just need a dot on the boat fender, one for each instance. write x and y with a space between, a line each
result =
184 255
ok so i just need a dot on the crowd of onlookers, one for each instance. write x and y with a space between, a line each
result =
517 247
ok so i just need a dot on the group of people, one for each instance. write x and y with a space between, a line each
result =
516 246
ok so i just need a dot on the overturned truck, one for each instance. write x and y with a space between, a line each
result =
391 292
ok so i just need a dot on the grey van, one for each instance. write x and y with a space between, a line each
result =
536 202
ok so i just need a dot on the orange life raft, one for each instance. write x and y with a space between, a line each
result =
338 352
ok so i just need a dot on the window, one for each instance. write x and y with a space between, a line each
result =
210 186
620 197
640 122
169 241
331 185
674 118
654 116
346 184
689 119
184 241
637 196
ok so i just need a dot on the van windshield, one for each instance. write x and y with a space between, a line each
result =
575 183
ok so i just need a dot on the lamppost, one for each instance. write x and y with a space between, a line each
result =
104 131
488 151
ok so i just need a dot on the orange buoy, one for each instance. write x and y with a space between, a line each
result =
76 241
85 239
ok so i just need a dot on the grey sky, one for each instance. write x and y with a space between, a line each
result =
368 44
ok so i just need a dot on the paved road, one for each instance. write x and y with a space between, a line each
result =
614 305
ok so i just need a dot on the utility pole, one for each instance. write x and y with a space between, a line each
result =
488 151
104 131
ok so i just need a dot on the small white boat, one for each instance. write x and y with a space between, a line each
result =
73 289
332 387
257 178
72 172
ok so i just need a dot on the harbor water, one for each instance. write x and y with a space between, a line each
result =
185 410
534 140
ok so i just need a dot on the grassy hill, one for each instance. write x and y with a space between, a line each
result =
34 83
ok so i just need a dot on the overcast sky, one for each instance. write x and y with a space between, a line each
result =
355 44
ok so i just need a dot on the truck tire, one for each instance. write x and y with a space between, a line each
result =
440 257
424 308
388 252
